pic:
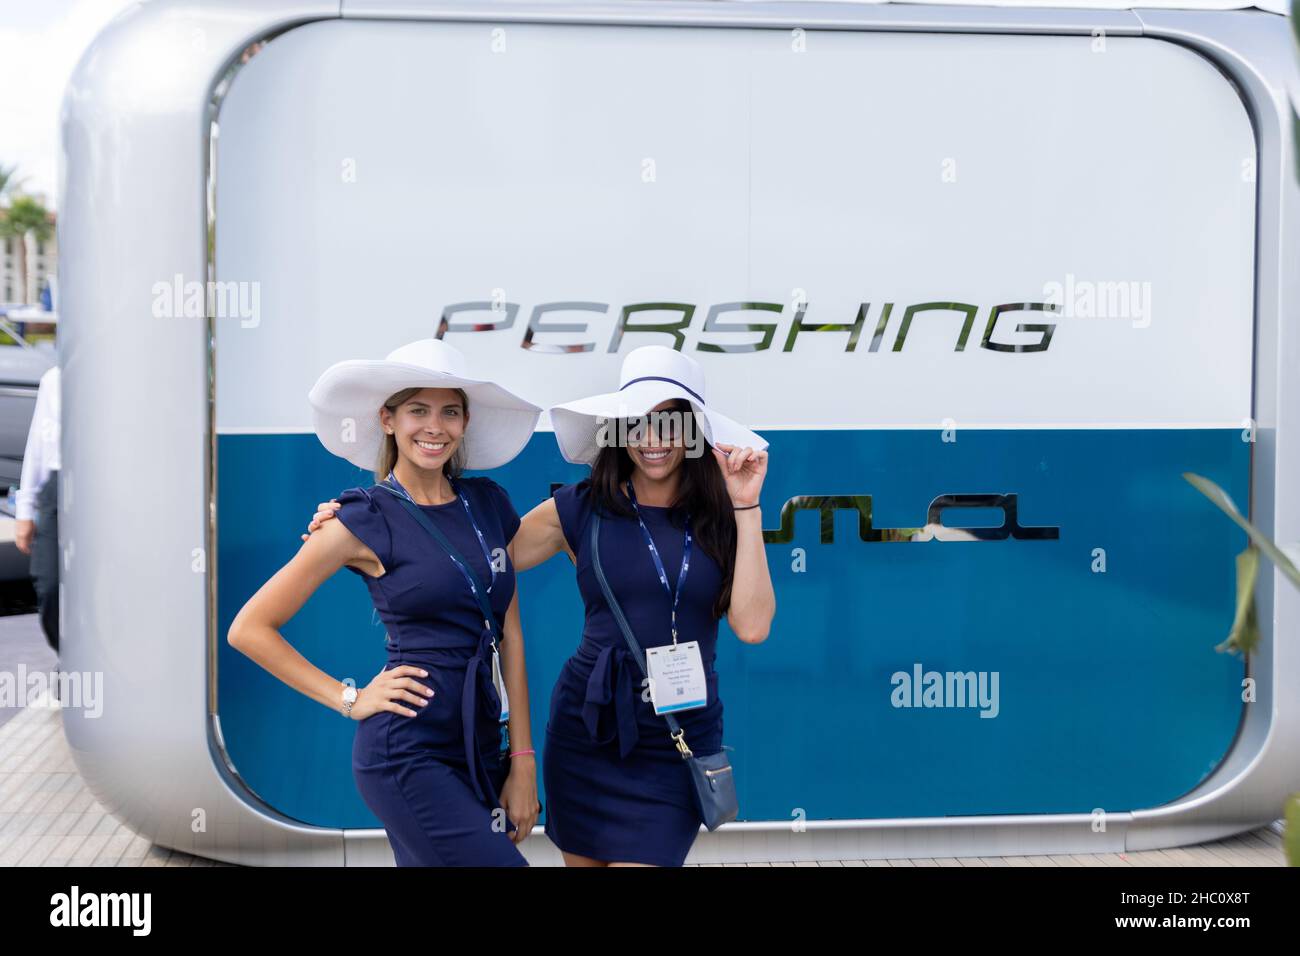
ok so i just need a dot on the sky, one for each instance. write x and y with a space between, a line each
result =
40 43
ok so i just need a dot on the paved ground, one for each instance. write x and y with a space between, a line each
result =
49 818
22 642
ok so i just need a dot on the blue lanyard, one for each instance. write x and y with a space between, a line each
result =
659 565
487 555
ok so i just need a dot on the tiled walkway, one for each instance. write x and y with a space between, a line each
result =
49 818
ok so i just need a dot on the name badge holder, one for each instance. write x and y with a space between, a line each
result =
676 675
675 671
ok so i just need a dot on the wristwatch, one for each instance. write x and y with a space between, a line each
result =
349 698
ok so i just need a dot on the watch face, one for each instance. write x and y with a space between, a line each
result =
350 694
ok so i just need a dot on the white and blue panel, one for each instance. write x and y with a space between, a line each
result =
848 231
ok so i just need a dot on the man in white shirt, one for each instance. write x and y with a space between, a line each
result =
37 503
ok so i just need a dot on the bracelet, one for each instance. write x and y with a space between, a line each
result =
520 753
744 507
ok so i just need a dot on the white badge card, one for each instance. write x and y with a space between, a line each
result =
500 686
676 677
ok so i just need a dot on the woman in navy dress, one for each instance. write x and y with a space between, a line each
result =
617 790
426 755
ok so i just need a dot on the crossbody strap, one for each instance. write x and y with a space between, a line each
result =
674 729
489 619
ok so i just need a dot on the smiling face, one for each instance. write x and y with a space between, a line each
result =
428 426
660 450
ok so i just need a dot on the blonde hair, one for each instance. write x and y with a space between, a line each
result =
388 446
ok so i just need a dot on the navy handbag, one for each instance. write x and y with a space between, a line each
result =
715 785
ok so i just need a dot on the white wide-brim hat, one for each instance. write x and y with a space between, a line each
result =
650 375
347 397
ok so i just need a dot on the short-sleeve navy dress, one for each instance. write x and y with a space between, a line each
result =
433 779
617 790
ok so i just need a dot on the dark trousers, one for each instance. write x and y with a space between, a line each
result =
45 558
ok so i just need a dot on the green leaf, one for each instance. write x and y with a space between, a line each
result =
1261 540
1295 137
1244 636
1295 113
1291 835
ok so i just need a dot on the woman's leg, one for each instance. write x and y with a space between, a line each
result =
573 859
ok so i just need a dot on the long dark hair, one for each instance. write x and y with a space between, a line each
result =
701 490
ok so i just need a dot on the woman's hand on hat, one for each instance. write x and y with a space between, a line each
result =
743 470
391 686
324 511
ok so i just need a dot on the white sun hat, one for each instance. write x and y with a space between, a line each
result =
650 375
347 397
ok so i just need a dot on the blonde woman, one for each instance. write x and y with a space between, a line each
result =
435 550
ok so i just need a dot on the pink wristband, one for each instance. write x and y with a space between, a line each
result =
520 753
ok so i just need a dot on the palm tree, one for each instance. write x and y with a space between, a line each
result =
24 215
8 182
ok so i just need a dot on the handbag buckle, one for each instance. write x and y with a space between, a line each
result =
680 737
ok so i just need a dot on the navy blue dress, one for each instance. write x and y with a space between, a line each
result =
616 788
433 779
